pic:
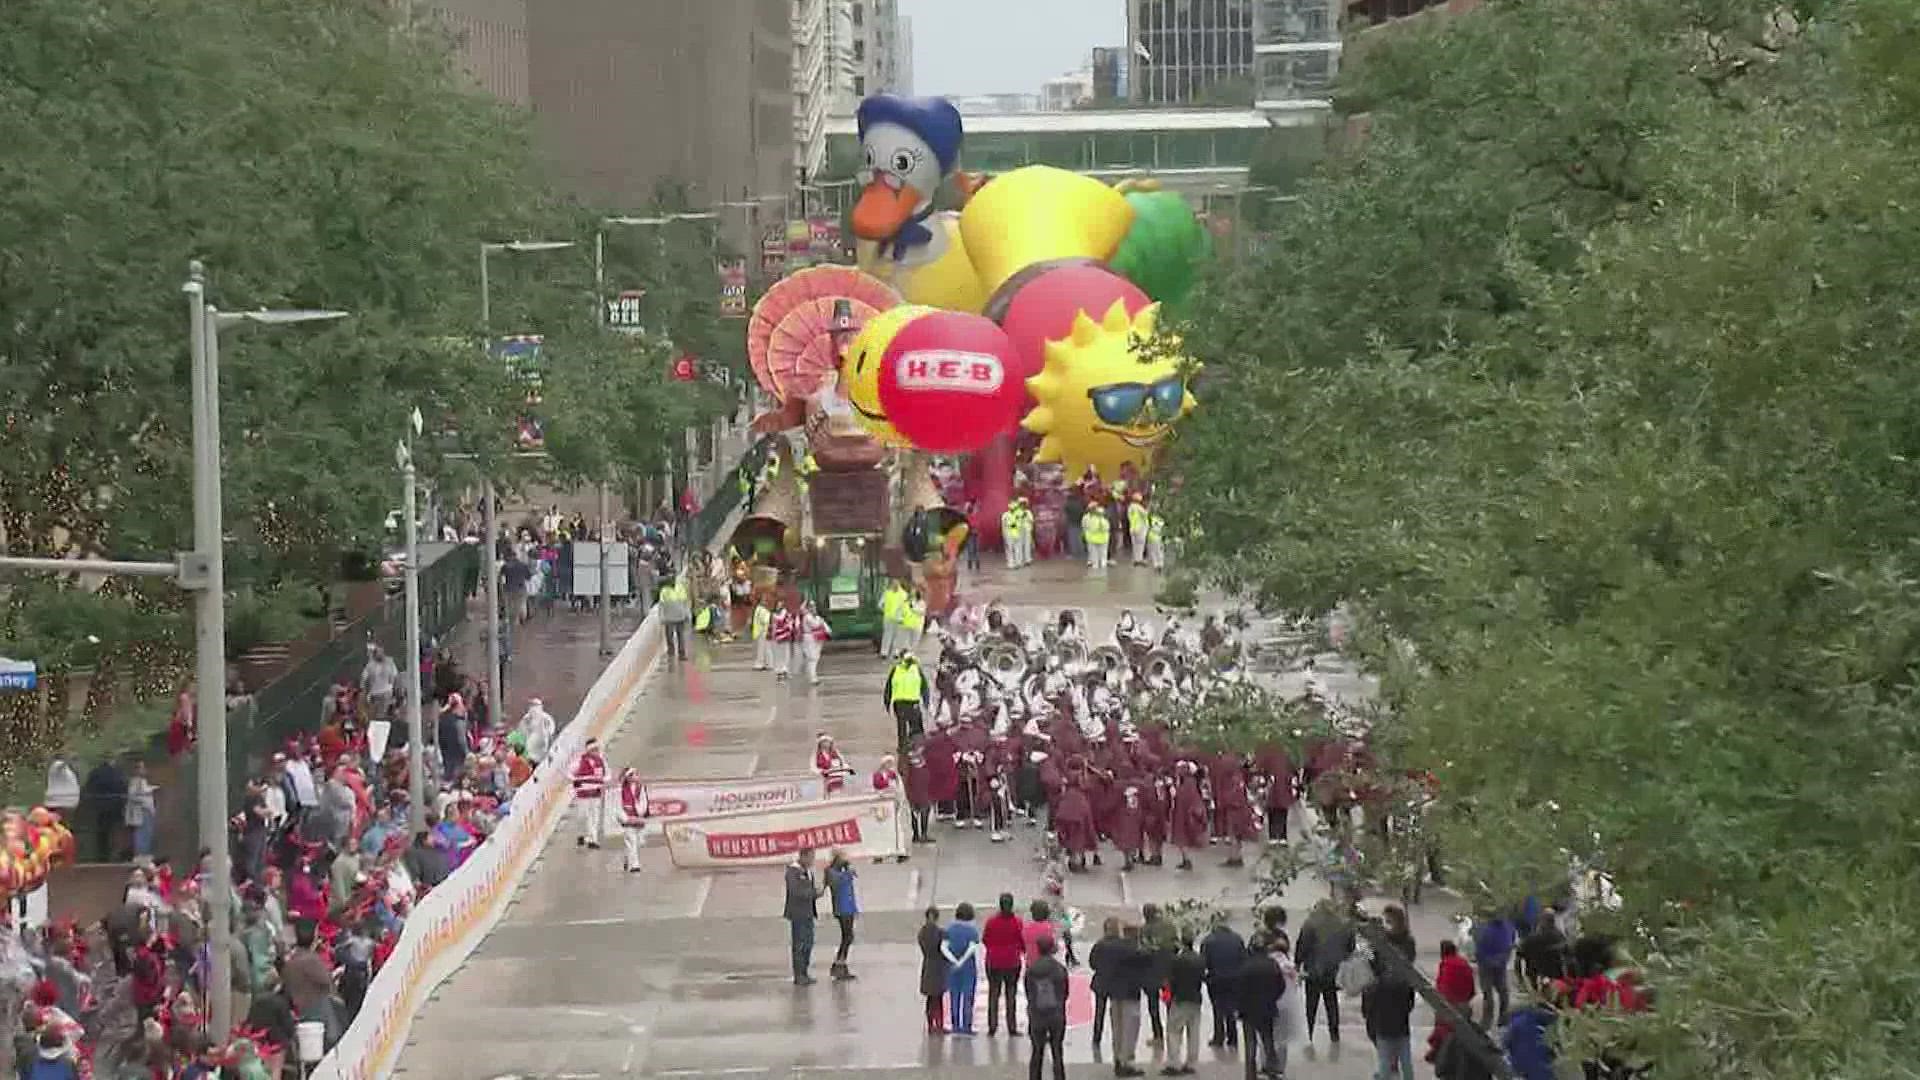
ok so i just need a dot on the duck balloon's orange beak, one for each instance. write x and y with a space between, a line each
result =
883 209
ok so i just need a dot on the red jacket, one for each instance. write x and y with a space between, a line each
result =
590 776
633 801
1005 938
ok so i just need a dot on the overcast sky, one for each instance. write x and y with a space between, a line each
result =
963 47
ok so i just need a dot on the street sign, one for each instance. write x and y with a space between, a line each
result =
18 674
623 311
733 288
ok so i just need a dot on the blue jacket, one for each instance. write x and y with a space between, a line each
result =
1529 1044
840 880
1493 943
50 1069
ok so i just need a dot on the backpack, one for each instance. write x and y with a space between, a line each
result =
1045 1000
1355 976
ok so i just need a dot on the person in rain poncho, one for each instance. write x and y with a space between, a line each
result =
537 725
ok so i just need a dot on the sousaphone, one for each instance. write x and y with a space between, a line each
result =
1161 670
1005 662
1109 660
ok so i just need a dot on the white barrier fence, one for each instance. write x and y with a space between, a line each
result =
444 928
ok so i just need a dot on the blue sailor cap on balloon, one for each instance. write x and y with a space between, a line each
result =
934 119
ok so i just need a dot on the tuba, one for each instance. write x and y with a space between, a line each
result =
1108 659
1005 662
1160 671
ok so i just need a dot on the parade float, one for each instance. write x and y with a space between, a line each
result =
1033 311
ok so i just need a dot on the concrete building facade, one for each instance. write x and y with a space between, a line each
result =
490 39
697 93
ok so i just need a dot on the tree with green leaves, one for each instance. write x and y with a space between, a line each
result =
1589 373
313 153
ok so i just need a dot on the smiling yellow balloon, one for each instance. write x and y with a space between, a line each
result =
860 370
1099 404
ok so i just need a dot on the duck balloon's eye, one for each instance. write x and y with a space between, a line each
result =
902 161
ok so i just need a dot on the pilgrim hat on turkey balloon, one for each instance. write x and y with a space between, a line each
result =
941 529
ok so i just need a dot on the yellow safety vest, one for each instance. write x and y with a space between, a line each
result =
1137 518
703 618
673 591
1156 526
1096 526
891 603
808 465
1010 523
762 618
906 682
915 616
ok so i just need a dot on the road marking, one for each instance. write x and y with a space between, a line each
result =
626 1063
700 902
773 714
1126 892
913 888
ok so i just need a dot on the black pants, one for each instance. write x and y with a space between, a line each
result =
1327 990
1099 1017
846 940
1260 1052
1043 1035
907 723
922 822
1153 1016
1226 1025
1276 823
1002 982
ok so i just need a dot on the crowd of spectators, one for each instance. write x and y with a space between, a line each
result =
326 868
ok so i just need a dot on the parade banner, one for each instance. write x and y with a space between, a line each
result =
861 826
698 798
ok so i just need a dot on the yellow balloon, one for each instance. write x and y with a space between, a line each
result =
1099 402
1040 214
860 369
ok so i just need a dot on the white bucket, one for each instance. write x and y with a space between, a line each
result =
309 1040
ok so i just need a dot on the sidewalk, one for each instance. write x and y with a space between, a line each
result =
555 658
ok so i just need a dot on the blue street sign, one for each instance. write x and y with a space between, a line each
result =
18 674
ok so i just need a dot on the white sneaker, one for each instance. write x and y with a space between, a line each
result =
998 837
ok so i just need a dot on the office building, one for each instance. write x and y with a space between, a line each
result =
631 97
903 57
1067 91
1190 51
1106 65
1296 53
490 38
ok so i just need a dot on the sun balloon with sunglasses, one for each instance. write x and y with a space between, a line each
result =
1110 393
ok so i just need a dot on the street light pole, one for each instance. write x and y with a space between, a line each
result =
416 731
606 586
210 646
490 558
